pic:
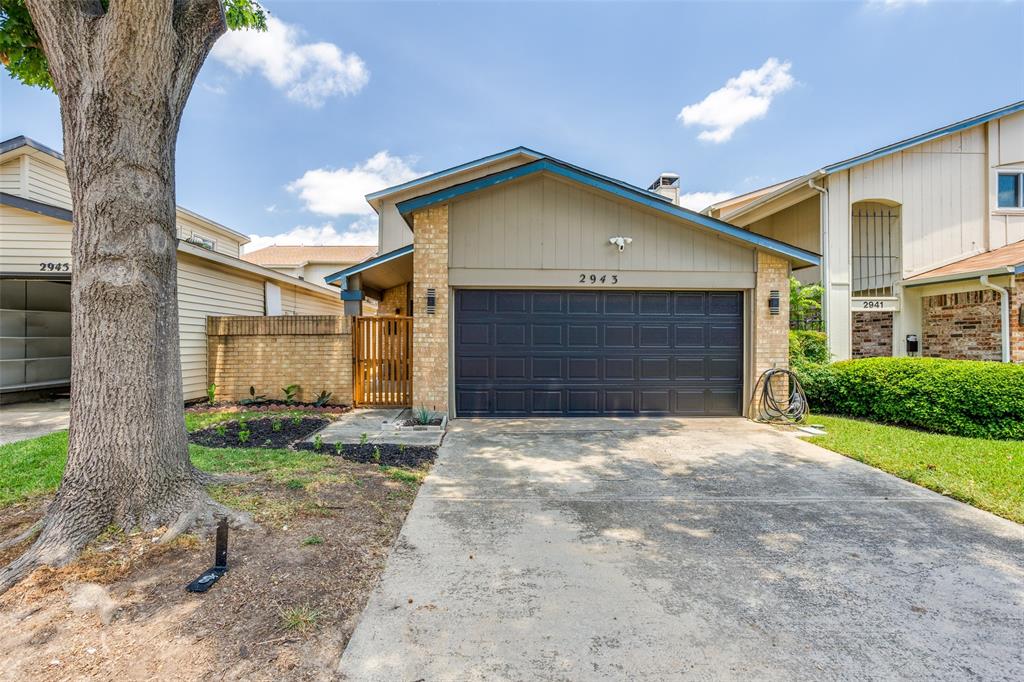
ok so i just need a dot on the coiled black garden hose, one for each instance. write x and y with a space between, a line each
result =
770 406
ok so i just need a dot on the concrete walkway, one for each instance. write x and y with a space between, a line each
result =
685 549
375 425
20 421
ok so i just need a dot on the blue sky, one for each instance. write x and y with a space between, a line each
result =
284 132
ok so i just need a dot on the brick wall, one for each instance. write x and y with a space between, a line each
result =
966 325
395 301
770 346
314 351
871 333
430 332
963 326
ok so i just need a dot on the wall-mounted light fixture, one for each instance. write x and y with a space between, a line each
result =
431 301
773 301
911 344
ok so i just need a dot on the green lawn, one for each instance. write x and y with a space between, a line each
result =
988 474
33 467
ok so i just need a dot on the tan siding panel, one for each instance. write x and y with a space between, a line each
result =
48 183
27 239
546 223
10 177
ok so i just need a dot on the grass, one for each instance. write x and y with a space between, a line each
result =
300 618
988 474
33 467
313 540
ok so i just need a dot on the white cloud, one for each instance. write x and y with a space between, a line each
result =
215 89
742 99
342 191
307 72
698 201
360 232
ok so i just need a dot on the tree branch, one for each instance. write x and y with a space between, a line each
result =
198 24
61 25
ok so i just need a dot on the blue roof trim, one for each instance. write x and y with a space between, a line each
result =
926 137
454 169
508 153
367 264
619 189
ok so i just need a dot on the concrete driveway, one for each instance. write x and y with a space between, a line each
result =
679 549
20 421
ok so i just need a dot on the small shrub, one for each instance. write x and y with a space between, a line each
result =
322 399
318 443
422 415
363 439
296 421
959 397
339 448
253 399
289 393
243 436
295 484
211 392
221 430
313 540
276 425
376 455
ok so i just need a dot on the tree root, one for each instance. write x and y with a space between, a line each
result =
30 532
65 530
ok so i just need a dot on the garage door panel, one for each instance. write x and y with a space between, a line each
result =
579 353
510 334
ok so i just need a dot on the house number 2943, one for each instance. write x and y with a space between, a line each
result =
594 278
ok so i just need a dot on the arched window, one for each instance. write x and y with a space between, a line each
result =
876 244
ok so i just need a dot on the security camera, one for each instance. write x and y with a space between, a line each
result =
621 242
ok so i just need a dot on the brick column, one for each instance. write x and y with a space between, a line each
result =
430 331
770 333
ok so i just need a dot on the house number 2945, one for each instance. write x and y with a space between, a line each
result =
594 278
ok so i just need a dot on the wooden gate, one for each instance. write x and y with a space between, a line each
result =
382 371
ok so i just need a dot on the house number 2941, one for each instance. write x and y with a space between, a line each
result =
594 278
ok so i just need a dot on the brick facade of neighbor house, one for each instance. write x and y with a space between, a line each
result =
961 326
395 301
430 329
1017 320
871 333
268 353
770 345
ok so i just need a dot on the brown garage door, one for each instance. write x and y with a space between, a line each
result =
593 353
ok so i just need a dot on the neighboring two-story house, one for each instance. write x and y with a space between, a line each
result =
35 277
922 241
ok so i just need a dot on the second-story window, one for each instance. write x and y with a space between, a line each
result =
1011 190
202 241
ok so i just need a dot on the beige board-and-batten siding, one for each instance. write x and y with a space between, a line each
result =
269 353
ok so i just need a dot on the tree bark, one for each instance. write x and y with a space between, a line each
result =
123 78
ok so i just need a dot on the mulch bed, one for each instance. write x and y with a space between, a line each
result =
386 454
267 406
261 432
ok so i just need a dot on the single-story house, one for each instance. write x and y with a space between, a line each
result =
922 241
539 288
35 277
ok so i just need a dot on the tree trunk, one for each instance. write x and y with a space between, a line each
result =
123 78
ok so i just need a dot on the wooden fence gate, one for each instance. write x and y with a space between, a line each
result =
382 372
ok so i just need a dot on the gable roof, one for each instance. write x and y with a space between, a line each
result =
300 255
611 186
876 154
492 159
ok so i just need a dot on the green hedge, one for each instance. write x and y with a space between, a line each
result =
807 347
960 397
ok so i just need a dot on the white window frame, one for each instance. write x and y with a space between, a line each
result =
1019 174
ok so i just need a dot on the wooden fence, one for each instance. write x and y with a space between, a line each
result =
382 348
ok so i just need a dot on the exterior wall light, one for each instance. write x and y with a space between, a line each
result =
773 302
431 300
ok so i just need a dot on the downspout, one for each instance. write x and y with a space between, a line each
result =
826 275
1004 315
